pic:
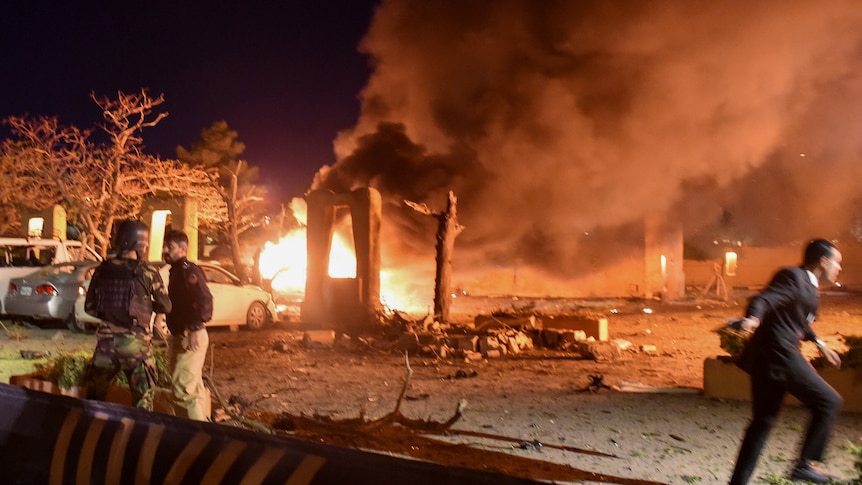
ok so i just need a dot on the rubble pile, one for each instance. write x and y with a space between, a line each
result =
487 337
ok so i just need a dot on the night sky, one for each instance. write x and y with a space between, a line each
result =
561 126
285 75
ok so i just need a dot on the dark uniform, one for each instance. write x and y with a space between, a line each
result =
191 300
123 294
191 308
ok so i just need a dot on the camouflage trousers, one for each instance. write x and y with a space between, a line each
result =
128 352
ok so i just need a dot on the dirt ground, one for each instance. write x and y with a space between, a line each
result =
651 426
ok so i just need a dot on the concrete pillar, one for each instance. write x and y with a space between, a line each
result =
343 303
180 213
663 244
47 223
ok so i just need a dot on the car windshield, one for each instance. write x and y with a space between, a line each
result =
58 272
22 256
79 253
214 275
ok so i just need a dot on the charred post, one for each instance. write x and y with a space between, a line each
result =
448 229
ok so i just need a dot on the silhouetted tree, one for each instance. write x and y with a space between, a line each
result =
100 183
217 152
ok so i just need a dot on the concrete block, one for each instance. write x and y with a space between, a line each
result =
551 338
524 341
324 337
512 345
592 326
471 356
464 342
722 379
487 343
600 351
623 344
567 336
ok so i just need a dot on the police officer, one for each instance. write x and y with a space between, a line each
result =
123 294
192 307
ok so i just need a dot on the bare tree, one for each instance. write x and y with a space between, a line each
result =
41 165
99 183
217 152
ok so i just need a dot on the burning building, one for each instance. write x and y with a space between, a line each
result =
351 301
563 126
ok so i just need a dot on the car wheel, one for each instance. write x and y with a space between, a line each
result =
74 324
255 318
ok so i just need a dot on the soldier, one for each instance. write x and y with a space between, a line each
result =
124 292
192 307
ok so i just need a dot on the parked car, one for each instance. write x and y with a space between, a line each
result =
51 293
57 292
234 302
20 256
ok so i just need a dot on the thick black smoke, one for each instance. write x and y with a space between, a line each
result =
562 125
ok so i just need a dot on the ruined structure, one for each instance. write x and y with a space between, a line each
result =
180 213
342 303
49 223
663 246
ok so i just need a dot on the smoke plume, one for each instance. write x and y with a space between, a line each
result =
562 125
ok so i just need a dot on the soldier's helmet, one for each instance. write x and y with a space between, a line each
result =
131 236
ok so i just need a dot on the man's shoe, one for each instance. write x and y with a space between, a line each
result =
803 472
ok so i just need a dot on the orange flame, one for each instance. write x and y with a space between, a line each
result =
285 263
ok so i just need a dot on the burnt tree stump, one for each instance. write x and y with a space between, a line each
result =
448 229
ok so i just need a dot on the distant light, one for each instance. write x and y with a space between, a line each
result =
614 310
586 233
801 154
838 284
731 260
35 226
647 310
158 223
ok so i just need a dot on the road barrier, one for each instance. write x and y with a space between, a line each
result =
51 439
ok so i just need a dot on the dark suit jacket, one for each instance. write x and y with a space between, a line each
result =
786 309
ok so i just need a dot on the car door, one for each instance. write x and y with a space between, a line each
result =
227 307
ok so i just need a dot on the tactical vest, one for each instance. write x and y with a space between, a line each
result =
122 300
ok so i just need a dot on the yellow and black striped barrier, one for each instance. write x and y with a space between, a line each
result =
59 440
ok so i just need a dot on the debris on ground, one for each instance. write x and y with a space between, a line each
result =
35 354
597 383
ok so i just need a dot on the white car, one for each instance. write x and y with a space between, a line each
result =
234 303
